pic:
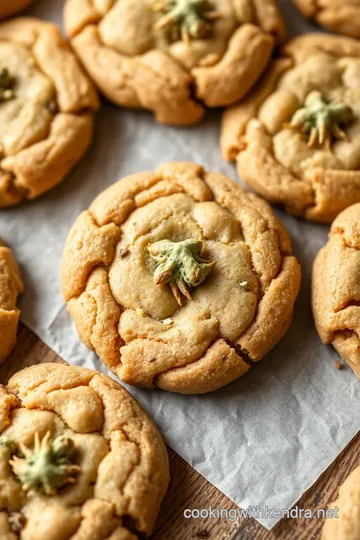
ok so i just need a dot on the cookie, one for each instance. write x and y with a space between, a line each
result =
296 138
336 288
79 458
47 105
179 279
347 507
10 7
342 16
174 57
10 287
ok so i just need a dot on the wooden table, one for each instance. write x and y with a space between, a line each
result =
188 489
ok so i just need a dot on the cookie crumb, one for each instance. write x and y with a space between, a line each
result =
339 365
8 94
244 285
16 521
140 312
168 321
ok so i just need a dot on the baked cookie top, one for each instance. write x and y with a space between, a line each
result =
336 288
46 109
10 7
10 287
79 458
296 138
341 16
179 278
347 526
174 57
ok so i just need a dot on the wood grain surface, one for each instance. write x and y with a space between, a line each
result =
188 489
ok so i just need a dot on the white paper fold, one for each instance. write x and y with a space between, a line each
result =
262 440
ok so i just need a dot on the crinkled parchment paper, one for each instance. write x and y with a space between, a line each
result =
262 440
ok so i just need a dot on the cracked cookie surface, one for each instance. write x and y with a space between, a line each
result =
336 288
130 50
120 459
342 16
11 7
235 315
347 526
10 287
47 104
272 139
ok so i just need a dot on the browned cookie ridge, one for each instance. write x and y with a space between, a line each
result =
79 458
47 106
174 57
296 138
179 278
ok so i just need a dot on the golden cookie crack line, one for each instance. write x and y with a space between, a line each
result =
283 252
148 343
321 121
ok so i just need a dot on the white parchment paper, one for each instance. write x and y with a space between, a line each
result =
262 440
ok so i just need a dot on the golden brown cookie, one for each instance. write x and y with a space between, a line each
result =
296 138
10 7
336 288
347 508
341 16
47 106
174 57
179 279
79 458
10 287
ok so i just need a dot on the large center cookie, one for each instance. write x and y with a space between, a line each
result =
79 458
296 139
174 57
179 278
46 109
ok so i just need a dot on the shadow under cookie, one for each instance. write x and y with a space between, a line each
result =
47 105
